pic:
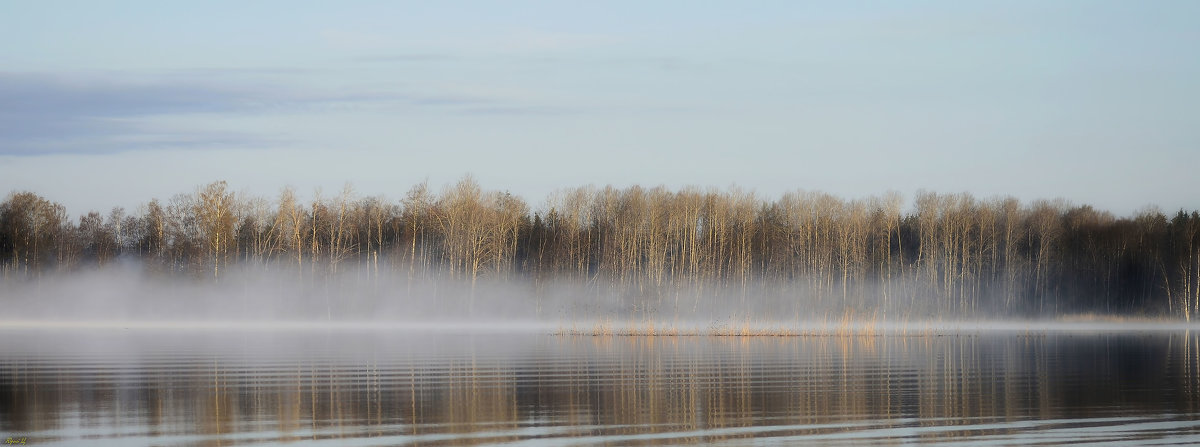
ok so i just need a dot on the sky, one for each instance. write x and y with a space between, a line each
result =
113 103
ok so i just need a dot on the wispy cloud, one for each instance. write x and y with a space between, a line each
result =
41 114
42 95
46 114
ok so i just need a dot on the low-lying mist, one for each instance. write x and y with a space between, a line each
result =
263 293
281 293
358 296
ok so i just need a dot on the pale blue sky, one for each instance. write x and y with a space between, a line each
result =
113 103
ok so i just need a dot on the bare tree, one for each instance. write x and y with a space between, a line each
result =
216 220
418 207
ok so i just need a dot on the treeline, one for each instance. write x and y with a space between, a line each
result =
944 254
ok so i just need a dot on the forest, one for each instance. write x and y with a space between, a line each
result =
945 254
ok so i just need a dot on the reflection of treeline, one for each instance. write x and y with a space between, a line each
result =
613 386
953 253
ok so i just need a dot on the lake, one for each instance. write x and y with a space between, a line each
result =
204 387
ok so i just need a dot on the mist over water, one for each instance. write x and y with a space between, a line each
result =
266 354
265 294
280 297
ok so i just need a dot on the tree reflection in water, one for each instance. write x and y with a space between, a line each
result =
388 389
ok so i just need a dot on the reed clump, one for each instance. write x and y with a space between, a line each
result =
1092 317
846 326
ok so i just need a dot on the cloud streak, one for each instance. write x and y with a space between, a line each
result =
44 114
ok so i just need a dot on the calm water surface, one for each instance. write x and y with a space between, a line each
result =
142 387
